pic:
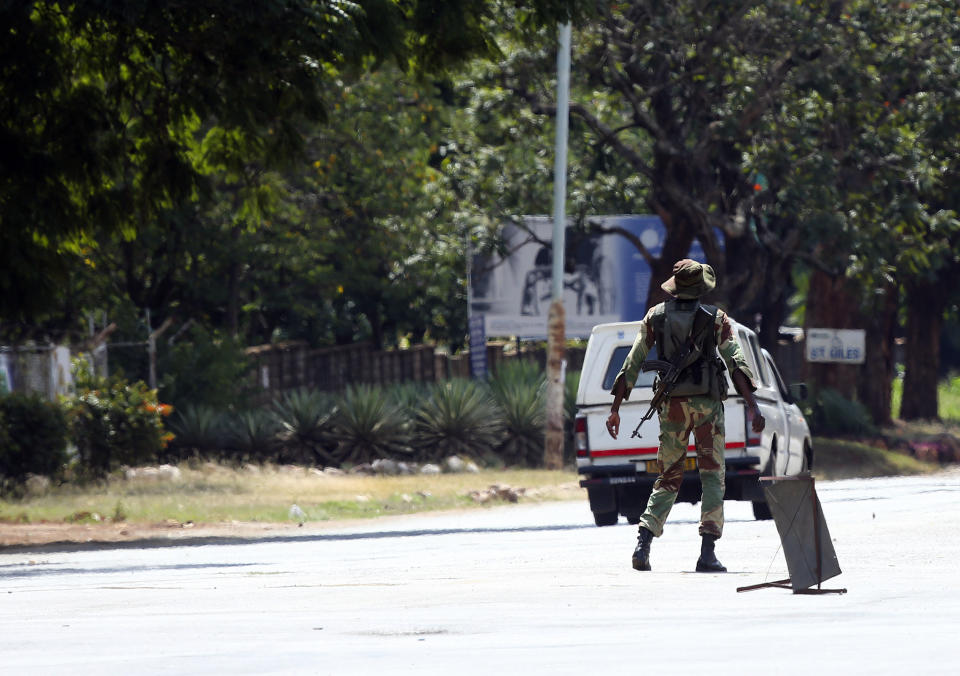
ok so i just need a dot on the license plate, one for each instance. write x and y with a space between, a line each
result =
689 465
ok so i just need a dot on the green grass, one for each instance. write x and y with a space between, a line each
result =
949 403
217 494
948 398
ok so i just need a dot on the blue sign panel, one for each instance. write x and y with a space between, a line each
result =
478 347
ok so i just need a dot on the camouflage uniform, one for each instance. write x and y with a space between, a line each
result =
679 416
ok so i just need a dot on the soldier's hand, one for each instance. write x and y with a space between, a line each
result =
613 424
758 422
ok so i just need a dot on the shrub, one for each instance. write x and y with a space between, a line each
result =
830 413
459 417
254 435
519 389
571 385
114 422
33 437
198 429
306 425
205 369
409 396
369 425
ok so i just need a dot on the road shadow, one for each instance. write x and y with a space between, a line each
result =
21 570
228 540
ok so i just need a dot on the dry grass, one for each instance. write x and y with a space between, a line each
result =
843 459
214 493
217 494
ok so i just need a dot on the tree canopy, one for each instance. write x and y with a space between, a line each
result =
319 169
107 105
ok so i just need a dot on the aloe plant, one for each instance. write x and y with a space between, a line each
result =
306 425
570 386
369 425
519 389
254 434
198 428
409 396
458 418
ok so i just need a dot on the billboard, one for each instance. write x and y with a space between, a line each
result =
606 279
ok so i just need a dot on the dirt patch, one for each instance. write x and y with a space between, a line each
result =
48 536
27 534
40 536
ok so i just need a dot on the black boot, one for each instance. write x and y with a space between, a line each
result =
707 563
641 555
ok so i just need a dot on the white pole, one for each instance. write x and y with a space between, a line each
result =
556 337
560 160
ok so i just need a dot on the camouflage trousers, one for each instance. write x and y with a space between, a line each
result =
679 417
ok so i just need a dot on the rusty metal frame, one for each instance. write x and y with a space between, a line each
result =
785 584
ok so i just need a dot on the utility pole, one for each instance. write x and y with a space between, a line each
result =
556 323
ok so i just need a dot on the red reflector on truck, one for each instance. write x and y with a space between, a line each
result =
753 439
624 451
648 450
580 437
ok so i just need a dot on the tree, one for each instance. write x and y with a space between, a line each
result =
742 126
693 81
369 196
668 101
930 265
779 127
106 132
103 104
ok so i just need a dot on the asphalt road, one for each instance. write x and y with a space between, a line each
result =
527 589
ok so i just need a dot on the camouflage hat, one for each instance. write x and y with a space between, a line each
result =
690 279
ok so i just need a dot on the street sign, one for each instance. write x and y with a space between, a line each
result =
844 346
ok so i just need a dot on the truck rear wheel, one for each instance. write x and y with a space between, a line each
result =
605 518
761 511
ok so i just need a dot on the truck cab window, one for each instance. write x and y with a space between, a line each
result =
784 391
616 363
762 372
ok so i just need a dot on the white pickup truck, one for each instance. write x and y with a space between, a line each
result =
619 473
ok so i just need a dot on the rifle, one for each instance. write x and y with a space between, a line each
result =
669 373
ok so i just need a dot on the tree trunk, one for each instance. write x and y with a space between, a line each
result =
676 246
772 314
874 388
926 302
556 355
375 317
233 283
832 303
751 279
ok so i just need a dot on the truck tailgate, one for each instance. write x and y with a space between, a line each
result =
605 450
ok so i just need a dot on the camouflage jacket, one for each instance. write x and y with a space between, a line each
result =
726 340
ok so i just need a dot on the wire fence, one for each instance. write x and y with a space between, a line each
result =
45 370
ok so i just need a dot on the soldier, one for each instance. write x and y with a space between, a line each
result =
695 404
